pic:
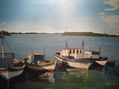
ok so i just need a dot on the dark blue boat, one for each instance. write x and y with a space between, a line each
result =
111 68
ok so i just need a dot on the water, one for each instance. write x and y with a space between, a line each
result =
22 44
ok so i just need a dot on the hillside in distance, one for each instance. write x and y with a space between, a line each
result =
87 34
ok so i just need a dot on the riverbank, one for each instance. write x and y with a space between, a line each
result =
88 34
72 34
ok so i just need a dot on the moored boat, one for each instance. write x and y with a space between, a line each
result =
9 66
37 61
78 58
112 68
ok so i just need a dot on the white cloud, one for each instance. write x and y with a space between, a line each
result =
58 25
101 13
113 3
112 20
29 27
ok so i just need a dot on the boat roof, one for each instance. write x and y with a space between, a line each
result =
71 48
7 52
36 54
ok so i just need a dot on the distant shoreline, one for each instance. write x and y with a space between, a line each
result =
72 34
33 33
4 33
87 34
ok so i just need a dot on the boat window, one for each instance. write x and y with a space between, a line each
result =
38 57
80 51
69 51
77 51
73 51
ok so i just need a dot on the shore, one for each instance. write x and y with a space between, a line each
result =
88 34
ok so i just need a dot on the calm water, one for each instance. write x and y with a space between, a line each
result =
22 44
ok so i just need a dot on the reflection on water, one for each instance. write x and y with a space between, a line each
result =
42 81
82 79
49 77
69 79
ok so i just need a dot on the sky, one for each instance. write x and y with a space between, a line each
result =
60 16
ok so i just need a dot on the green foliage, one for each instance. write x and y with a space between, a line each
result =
5 33
87 34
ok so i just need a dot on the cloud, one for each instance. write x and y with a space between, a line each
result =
36 26
113 3
101 13
112 20
57 15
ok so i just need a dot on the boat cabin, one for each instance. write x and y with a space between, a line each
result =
92 54
72 53
35 58
77 53
7 59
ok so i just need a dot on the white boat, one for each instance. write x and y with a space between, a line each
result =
78 58
9 66
36 61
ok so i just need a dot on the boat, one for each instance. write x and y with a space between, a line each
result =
37 62
9 66
78 58
112 68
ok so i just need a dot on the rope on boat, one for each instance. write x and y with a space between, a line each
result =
26 37
10 48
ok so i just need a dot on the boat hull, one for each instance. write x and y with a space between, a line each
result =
81 65
8 74
102 62
111 68
49 68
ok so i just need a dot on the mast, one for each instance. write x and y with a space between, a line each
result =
104 34
32 51
2 36
44 53
83 49
99 51
66 45
67 49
